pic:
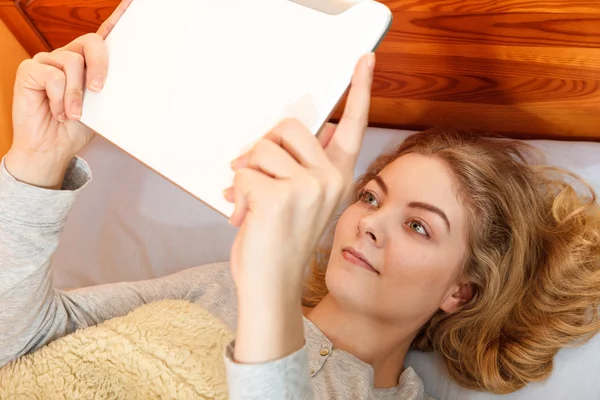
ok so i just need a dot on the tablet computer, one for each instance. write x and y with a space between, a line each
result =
192 83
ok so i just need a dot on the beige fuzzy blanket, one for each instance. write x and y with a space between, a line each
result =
170 349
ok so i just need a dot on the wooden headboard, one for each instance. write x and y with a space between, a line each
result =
528 68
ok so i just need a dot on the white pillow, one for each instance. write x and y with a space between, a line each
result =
132 224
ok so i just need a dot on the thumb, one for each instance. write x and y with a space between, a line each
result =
108 25
326 134
345 144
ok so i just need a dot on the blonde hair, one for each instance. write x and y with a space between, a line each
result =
533 258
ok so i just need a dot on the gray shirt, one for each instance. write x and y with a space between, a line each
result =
33 313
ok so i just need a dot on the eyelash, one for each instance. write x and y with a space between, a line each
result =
365 193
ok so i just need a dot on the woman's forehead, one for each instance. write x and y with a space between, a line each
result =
424 174
420 178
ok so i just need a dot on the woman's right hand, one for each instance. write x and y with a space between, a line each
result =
47 104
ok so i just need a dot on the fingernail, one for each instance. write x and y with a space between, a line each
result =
371 60
76 110
96 84
61 117
235 163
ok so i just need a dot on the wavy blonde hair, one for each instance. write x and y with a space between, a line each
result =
533 258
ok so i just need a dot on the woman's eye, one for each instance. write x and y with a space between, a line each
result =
418 227
369 198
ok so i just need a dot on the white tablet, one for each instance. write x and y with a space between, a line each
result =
192 83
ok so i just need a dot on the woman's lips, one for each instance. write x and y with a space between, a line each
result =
352 257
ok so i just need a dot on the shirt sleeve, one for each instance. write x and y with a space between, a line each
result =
286 378
32 312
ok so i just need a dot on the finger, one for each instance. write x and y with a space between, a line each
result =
237 218
73 65
94 52
229 195
270 159
45 78
326 134
247 183
299 142
241 206
345 145
108 25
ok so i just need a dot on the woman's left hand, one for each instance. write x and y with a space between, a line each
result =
286 189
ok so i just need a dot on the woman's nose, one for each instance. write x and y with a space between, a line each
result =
371 228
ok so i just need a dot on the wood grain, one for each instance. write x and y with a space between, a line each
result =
451 78
61 21
521 29
528 68
12 56
495 6
21 27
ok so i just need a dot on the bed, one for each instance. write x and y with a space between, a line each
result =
521 67
524 68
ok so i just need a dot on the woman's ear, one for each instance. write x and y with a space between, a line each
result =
460 295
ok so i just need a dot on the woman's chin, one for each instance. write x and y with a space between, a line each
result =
349 286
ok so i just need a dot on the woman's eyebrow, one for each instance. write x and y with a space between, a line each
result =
381 184
416 204
433 209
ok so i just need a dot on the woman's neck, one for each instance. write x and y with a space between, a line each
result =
380 344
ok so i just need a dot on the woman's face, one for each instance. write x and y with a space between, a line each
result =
411 228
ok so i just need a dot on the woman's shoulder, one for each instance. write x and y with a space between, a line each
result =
214 289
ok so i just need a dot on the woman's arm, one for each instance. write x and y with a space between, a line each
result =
286 189
47 134
32 312
285 378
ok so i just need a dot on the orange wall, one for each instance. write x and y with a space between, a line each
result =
12 53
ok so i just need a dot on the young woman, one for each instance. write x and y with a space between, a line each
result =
463 245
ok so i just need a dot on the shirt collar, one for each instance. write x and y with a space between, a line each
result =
318 344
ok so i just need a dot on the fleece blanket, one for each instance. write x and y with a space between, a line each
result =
170 349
